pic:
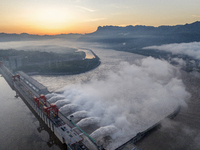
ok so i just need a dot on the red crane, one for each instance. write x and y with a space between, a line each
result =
53 108
41 98
16 76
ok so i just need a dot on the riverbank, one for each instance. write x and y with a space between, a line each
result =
49 63
64 73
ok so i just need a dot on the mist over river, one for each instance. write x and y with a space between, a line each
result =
126 94
104 80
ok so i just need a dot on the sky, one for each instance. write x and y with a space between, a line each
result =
84 16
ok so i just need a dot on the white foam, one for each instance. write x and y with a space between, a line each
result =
127 101
88 121
55 98
80 114
48 96
68 108
77 116
103 132
61 103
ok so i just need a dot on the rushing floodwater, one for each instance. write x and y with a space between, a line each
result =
20 128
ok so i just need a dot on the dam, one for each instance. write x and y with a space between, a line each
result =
64 128
34 93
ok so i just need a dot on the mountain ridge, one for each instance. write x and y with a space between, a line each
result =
140 36
106 28
7 37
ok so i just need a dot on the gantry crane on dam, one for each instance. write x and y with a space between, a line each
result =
33 93
64 128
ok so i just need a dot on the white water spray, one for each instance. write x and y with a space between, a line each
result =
127 101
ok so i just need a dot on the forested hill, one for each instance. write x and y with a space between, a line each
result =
140 36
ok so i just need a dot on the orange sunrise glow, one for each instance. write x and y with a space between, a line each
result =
66 16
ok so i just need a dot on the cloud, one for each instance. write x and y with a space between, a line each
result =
119 6
196 16
191 49
93 20
126 101
87 9
115 6
180 62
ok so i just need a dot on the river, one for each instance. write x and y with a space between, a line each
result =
88 53
20 128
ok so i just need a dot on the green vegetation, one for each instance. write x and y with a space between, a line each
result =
48 62
29 57
66 67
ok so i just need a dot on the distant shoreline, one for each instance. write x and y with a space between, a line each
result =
61 74
49 63
69 73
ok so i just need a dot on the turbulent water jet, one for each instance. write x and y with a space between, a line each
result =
69 108
55 98
79 115
61 103
126 101
88 121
